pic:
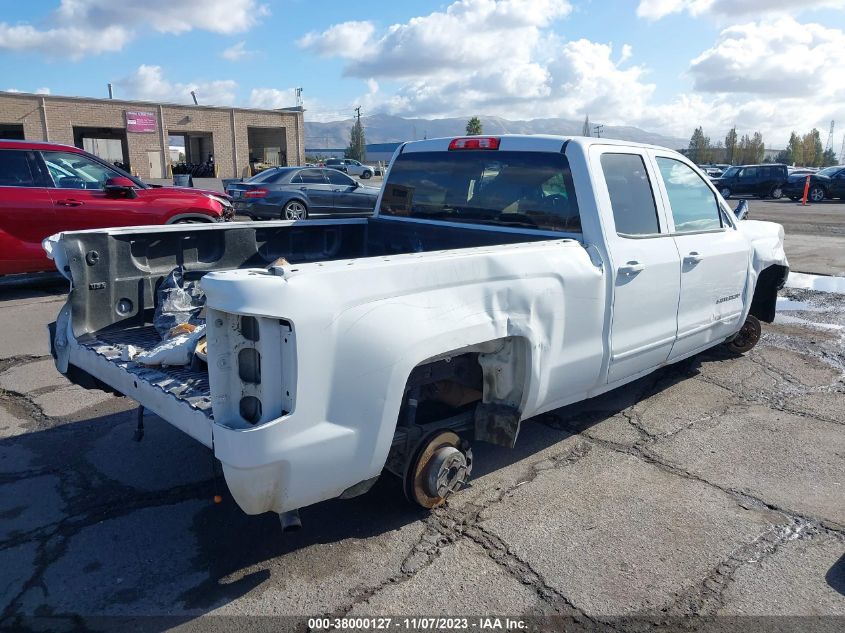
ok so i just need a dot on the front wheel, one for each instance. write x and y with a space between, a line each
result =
747 337
294 210
816 194
726 193
776 193
366 175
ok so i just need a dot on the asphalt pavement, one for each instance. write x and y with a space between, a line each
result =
815 233
713 487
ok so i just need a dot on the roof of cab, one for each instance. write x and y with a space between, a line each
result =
35 145
525 142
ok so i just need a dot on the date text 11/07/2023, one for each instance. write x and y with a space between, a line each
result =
416 623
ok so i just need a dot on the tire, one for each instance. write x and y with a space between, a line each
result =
816 194
726 192
366 175
776 192
747 337
295 210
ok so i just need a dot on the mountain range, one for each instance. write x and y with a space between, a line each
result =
385 128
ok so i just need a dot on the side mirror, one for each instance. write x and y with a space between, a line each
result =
120 187
741 210
355 184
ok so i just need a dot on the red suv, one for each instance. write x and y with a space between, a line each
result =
47 188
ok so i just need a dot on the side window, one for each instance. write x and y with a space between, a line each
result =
76 171
694 205
16 169
338 178
312 176
631 197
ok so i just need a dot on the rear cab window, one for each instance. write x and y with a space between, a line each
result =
507 188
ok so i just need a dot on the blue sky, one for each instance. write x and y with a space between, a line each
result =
668 65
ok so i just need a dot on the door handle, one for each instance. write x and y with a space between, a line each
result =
631 268
692 258
70 202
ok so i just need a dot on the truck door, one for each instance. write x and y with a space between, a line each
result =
644 262
715 259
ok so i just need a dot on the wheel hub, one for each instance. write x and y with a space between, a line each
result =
446 472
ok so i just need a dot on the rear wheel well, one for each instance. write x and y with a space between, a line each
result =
769 282
475 392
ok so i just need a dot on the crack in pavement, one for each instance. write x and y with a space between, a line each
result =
53 539
709 595
20 360
446 525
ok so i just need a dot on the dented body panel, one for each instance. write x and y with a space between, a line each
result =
309 360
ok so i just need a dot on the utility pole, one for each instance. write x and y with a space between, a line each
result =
829 144
842 151
358 111
598 129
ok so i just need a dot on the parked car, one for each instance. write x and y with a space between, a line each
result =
46 188
296 193
764 181
500 278
825 183
351 167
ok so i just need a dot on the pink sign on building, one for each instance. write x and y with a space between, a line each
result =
140 121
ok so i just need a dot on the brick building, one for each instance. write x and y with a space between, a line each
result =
155 140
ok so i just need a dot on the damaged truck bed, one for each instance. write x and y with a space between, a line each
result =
500 277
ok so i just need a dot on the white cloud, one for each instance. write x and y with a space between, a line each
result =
467 34
148 83
485 57
38 91
89 27
237 52
71 41
350 40
779 57
272 98
656 9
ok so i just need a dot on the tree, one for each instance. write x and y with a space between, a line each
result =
795 149
758 148
784 156
828 157
586 130
357 149
718 153
813 149
730 147
699 147
474 127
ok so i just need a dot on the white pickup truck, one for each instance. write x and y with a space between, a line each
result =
500 277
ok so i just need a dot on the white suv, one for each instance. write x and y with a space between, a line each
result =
351 167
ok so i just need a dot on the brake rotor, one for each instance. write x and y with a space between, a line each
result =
442 464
